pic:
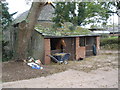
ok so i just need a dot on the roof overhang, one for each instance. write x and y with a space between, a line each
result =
72 36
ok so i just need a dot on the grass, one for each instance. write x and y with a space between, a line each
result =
113 37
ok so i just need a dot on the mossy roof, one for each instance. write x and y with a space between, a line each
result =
63 32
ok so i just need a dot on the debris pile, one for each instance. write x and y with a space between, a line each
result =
34 64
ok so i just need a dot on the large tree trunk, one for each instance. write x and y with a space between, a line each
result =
26 28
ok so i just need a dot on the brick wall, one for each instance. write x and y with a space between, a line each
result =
98 43
47 51
80 51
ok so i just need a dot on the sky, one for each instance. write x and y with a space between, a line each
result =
21 6
18 6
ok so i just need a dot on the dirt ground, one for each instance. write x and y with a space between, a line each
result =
97 71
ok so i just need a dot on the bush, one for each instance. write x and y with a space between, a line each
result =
6 53
110 43
104 35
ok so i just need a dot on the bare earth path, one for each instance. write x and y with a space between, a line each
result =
94 72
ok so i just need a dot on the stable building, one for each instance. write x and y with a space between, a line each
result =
41 45
79 46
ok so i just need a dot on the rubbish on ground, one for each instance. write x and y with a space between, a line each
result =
31 59
38 61
34 65
41 67
25 61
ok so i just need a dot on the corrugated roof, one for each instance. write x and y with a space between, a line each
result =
46 14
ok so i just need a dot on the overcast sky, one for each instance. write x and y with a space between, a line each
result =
20 6
17 5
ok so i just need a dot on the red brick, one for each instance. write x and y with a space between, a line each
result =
47 59
98 43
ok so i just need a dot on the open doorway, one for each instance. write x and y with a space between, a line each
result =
57 45
90 42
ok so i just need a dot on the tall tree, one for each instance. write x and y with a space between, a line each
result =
117 5
64 12
88 12
6 17
26 28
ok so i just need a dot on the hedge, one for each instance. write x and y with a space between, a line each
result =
110 43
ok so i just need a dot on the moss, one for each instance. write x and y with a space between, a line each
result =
67 29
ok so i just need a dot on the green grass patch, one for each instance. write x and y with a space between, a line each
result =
113 37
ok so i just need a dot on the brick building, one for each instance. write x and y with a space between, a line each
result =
40 45
79 46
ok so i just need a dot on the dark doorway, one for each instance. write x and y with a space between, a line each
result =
90 41
53 43
57 45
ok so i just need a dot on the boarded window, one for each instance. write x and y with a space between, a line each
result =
82 41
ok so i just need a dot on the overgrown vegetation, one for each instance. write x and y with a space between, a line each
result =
66 29
112 42
6 53
6 20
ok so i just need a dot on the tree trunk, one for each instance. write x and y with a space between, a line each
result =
26 28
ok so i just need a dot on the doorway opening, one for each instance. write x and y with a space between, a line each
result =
57 45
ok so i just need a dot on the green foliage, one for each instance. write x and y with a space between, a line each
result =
104 35
110 46
6 18
63 11
110 40
110 43
66 29
88 12
6 54
115 4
